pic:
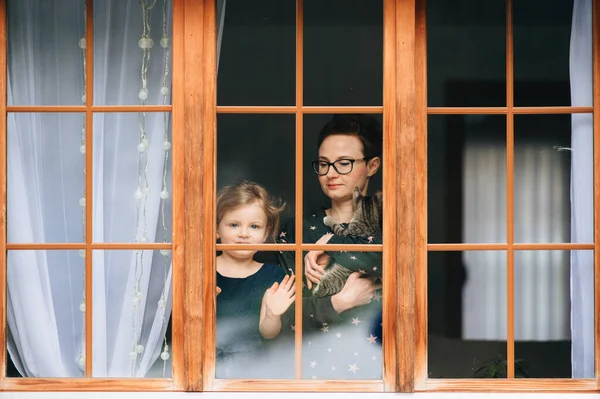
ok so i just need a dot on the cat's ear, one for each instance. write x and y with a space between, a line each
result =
379 195
356 194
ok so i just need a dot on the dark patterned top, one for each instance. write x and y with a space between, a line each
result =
238 313
337 346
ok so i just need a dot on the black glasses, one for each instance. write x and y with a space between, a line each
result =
342 166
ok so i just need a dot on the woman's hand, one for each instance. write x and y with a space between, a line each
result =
279 297
357 291
315 262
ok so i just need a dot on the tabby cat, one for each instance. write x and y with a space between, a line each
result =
366 222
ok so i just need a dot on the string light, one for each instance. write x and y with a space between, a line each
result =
164 194
82 305
146 43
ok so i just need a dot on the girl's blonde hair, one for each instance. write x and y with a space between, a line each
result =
247 193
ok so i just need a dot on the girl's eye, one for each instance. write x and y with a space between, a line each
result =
233 225
255 226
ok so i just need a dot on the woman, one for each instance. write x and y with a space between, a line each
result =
338 339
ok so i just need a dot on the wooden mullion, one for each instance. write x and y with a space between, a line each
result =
89 168
178 140
510 198
516 246
404 184
421 330
390 274
552 110
196 245
209 186
299 270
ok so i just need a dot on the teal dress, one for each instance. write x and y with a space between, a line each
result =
337 346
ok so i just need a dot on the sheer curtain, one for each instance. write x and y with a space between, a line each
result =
582 193
537 319
46 184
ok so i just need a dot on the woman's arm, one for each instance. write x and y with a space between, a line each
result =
367 262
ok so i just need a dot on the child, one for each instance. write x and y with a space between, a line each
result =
252 296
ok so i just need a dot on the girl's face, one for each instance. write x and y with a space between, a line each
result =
340 187
244 225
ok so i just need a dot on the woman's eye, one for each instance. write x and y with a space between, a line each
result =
323 164
344 163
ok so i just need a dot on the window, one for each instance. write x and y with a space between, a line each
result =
510 247
489 170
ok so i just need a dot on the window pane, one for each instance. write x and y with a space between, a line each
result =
45 321
466 315
554 327
345 346
45 61
544 178
132 52
542 46
131 308
343 52
466 53
132 177
251 344
257 56
260 149
46 177
466 166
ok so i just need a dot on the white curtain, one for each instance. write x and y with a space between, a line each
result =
541 215
46 182
545 278
582 193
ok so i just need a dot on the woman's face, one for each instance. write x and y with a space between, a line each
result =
340 187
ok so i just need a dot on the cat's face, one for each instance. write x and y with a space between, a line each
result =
340 187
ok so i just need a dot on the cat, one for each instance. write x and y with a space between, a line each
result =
366 222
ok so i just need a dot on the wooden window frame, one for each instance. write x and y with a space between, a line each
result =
510 384
194 113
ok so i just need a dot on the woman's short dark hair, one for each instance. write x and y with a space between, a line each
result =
365 127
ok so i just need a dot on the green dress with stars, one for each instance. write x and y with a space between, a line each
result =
337 346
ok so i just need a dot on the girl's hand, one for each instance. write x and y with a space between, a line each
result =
279 297
315 262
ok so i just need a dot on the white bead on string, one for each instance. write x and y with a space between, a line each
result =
167 145
164 194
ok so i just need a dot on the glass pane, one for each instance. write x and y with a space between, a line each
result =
542 51
544 178
466 53
132 294
257 54
554 314
466 315
255 320
349 347
45 61
343 52
45 321
466 166
270 164
132 52
340 141
132 177
46 177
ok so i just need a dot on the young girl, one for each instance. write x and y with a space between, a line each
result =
252 296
